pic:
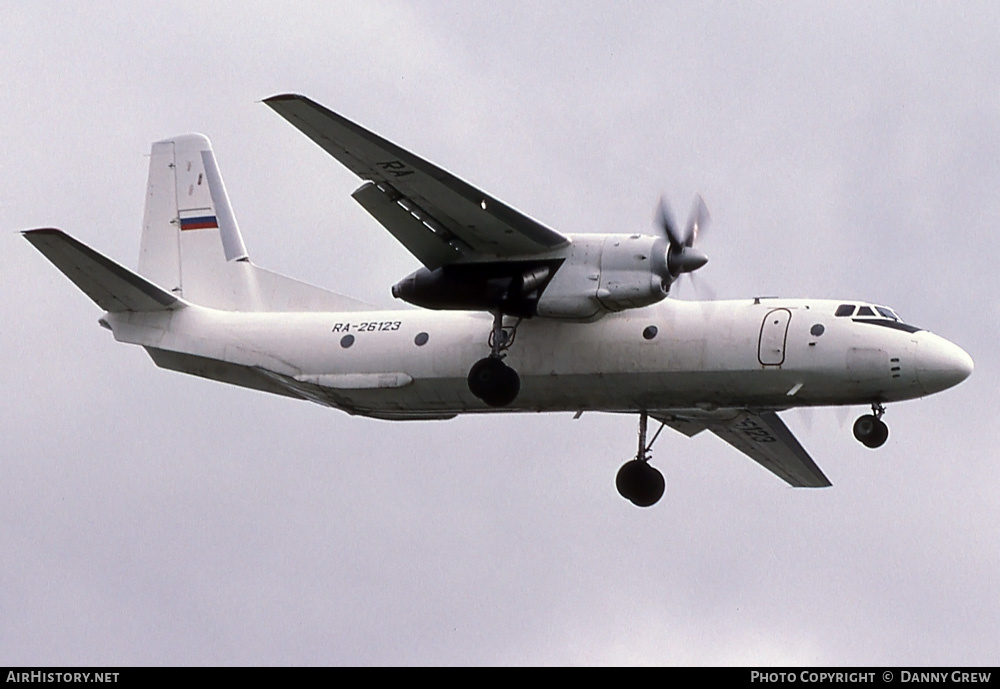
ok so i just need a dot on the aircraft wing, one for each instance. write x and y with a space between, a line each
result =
761 436
435 215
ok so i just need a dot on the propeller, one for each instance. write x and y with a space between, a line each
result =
682 256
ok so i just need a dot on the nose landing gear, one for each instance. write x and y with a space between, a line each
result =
638 482
490 379
870 430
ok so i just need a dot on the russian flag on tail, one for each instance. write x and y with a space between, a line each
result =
198 221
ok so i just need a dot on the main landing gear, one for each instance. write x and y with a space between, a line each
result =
870 430
637 481
490 379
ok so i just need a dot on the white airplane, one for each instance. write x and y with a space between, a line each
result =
517 317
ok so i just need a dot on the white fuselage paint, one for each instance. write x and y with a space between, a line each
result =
705 355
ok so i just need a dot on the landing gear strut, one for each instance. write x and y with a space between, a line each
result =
490 379
870 430
637 481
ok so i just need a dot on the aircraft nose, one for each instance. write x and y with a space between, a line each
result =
941 364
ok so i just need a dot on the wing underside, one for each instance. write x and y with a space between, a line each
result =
438 217
762 436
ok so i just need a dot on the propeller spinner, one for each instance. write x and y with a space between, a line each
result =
682 256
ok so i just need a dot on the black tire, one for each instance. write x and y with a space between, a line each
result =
494 382
640 483
864 426
871 431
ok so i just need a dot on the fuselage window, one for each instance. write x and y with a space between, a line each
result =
865 311
845 310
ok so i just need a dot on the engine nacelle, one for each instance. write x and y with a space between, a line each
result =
594 275
605 273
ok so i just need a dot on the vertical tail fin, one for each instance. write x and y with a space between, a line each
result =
191 244
189 231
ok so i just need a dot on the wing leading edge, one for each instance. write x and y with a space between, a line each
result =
761 436
438 217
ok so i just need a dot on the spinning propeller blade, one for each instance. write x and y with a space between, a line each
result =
682 256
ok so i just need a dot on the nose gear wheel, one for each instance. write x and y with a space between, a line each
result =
870 430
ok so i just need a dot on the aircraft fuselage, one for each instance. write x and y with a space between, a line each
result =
762 353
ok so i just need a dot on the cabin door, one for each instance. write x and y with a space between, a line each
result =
773 333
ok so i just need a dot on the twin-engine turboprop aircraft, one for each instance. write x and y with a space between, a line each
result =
516 317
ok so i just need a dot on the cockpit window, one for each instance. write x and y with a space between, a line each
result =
876 315
888 313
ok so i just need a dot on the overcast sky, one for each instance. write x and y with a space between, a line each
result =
845 150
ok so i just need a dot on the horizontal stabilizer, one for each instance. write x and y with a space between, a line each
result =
111 286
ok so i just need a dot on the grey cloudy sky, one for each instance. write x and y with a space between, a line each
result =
846 150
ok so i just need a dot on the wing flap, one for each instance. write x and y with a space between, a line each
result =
764 438
488 226
430 243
